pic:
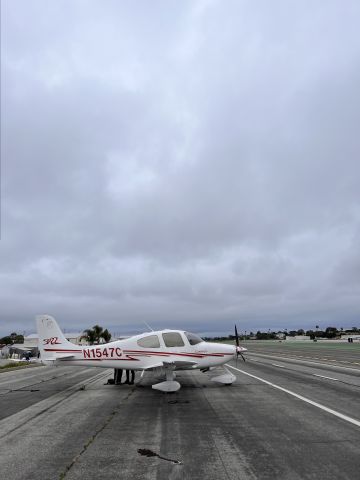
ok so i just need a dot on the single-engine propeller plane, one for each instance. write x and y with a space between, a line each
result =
164 352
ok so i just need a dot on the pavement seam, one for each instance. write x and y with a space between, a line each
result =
93 437
215 445
71 391
36 383
20 367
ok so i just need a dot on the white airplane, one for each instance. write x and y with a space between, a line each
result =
163 351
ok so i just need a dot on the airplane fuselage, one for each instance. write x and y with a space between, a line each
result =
130 354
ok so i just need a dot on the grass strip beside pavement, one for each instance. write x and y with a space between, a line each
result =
17 366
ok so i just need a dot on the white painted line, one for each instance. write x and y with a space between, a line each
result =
342 367
276 365
300 397
323 376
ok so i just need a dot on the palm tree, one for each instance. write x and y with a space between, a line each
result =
89 336
106 335
98 332
95 334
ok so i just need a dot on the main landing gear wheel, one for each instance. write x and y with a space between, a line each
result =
170 385
227 378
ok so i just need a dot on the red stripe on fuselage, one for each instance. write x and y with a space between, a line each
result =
147 353
98 359
58 350
166 354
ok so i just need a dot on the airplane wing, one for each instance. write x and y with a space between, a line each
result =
177 364
181 364
155 365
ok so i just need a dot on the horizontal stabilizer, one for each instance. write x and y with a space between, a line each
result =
62 356
53 359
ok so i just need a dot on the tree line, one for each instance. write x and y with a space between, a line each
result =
98 334
328 332
11 339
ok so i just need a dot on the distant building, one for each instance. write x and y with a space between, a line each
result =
4 351
350 338
31 344
298 337
17 350
31 340
280 336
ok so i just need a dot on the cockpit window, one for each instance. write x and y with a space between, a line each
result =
193 339
173 339
151 341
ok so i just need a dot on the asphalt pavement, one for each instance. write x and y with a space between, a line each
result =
285 417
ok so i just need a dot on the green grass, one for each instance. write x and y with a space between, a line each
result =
13 364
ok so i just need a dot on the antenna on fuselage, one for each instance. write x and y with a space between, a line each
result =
151 329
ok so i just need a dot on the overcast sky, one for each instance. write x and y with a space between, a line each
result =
188 163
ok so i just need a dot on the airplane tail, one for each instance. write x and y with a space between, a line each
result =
52 342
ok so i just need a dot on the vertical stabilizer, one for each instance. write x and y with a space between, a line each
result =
51 338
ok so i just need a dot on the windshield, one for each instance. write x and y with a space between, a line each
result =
193 339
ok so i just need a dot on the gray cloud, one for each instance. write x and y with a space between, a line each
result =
188 164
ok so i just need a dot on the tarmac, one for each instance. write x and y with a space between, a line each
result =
291 414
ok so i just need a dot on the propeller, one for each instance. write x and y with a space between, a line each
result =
238 352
